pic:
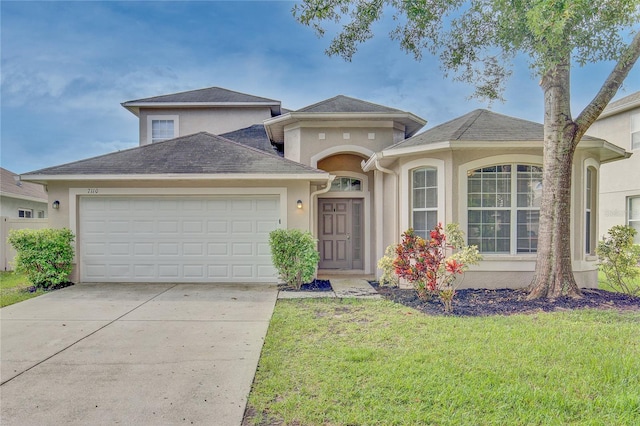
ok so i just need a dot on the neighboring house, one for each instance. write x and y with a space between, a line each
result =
22 205
21 199
199 196
619 192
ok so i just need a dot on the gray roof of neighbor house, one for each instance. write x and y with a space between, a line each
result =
622 105
343 108
254 136
210 96
480 125
10 186
198 154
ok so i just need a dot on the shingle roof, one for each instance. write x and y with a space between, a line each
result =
343 103
621 105
206 95
200 153
9 186
480 125
254 136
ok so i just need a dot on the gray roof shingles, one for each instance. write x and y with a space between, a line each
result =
200 153
344 104
480 125
9 186
254 136
206 95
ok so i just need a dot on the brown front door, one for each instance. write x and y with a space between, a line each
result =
340 233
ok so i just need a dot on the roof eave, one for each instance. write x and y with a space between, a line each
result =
22 197
43 178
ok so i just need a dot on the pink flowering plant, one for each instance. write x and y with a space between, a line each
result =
432 265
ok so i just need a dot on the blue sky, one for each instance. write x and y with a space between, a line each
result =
67 66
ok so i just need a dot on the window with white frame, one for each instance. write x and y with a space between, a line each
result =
590 210
635 131
161 127
341 184
40 214
503 208
161 130
424 200
26 213
633 216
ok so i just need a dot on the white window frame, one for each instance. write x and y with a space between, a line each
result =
25 213
422 232
590 207
634 219
463 210
152 118
348 188
406 190
634 141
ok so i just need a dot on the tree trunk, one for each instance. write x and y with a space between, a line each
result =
554 275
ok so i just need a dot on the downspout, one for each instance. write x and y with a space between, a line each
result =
397 203
314 207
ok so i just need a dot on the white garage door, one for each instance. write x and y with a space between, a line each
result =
181 239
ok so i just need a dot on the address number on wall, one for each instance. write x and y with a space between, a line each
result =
92 190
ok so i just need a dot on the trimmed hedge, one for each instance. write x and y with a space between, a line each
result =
294 255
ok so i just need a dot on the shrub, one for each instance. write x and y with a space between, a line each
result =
44 256
426 265
618 258
294 255
385 263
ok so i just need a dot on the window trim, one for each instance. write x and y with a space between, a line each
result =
590 166
412 207
406 190
24 212
463 211
152 118
634 128
628 215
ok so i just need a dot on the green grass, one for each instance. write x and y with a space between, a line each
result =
604 284
14 288
363 362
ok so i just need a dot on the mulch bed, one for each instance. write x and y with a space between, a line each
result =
484 302
33 289
315 285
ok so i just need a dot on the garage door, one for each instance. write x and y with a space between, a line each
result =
183 239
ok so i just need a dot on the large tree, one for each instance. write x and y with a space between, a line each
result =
477 40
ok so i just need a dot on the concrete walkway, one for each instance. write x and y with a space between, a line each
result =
139 354
343 287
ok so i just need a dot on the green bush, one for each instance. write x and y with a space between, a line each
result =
294 255
44 256
388 277
619 257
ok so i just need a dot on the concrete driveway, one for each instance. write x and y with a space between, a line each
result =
139 354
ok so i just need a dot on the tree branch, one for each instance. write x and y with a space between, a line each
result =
610 87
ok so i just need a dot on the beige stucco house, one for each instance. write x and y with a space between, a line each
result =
619 192
217 170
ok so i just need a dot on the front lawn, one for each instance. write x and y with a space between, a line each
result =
365 362
15 288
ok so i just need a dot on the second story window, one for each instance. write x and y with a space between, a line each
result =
161 127
161 130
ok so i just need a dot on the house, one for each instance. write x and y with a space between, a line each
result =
619 192
23 205
216 170
20 199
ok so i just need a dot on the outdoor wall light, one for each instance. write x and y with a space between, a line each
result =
299 203
56 204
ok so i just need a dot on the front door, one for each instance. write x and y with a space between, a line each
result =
340 233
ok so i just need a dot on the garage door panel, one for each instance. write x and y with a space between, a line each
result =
177 238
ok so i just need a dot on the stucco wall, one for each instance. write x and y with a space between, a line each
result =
212 120
67 216
619 180
496 270
9 206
